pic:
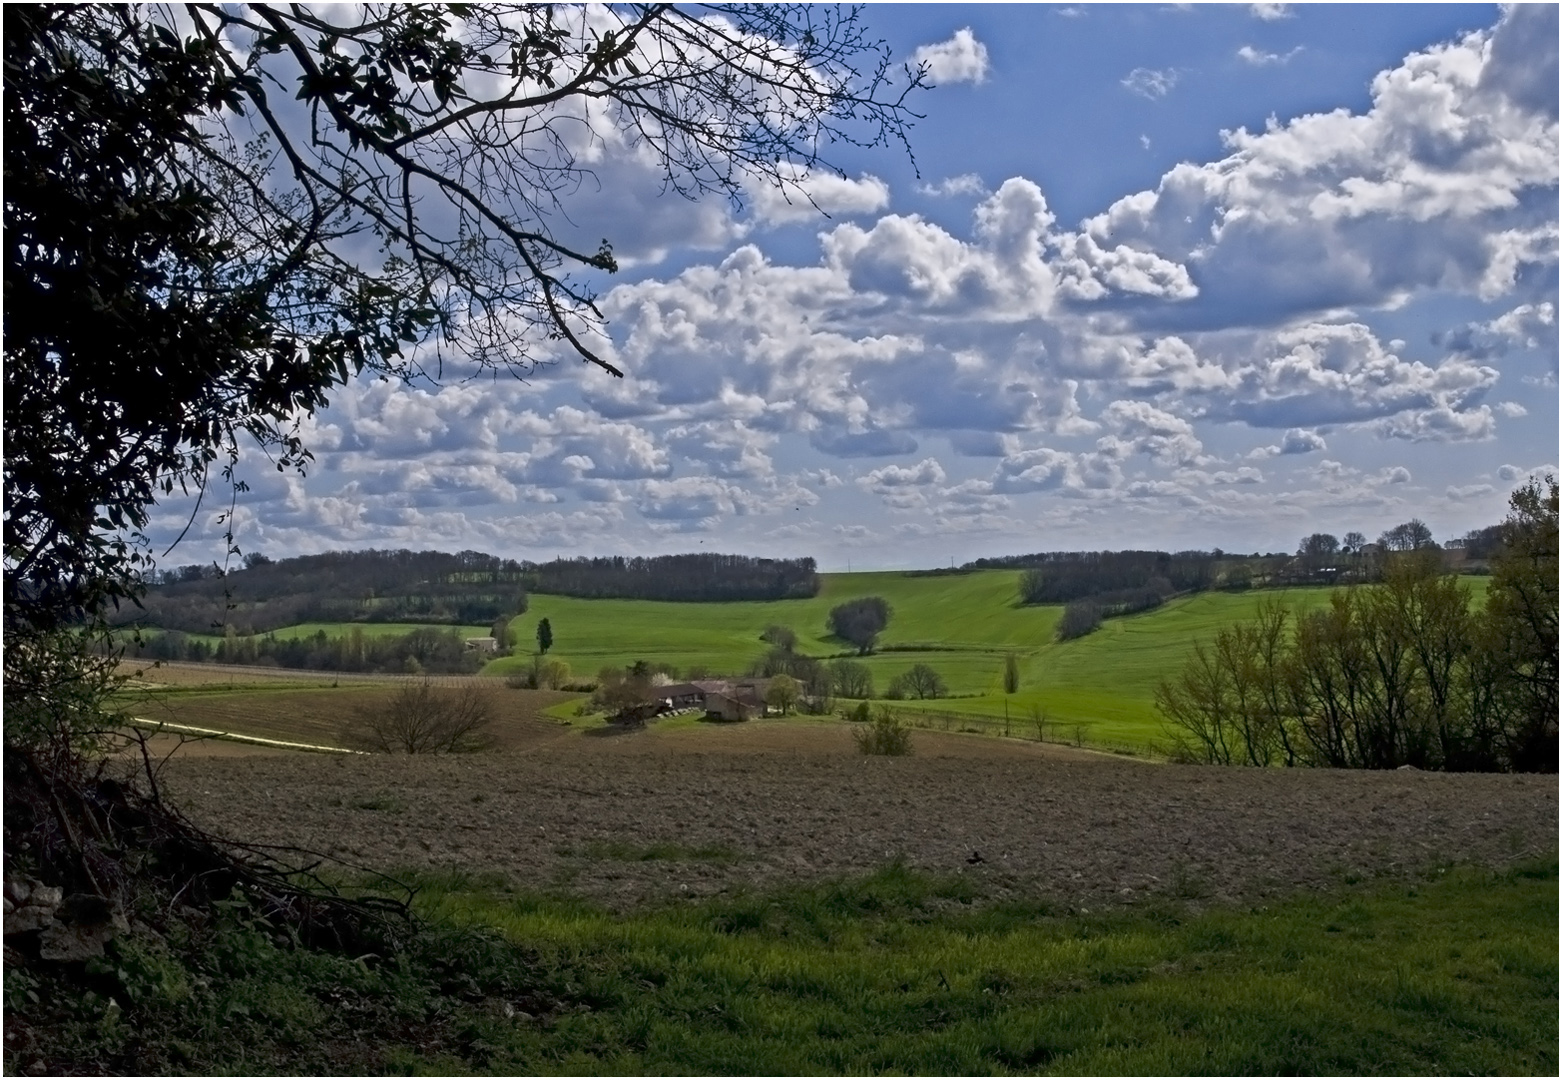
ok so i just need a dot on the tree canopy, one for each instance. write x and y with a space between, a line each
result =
216 214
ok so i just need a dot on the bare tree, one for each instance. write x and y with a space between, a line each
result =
420 718
922 681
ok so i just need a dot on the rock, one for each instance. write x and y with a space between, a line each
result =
83 924
30 905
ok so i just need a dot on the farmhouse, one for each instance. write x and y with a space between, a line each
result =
721 699
482 644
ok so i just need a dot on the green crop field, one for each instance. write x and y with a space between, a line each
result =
1099 687
342 629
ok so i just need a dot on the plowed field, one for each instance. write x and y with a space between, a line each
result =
698 810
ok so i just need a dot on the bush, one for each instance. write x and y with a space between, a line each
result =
857 714
885 735
422 719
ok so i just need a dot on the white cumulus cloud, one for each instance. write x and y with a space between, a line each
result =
960 59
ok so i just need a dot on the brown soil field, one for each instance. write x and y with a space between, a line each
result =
695 810
317 715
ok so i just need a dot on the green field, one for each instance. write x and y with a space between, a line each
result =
895 973
342 629
1097 690
1099 687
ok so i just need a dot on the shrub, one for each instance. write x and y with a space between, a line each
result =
885 735
857 714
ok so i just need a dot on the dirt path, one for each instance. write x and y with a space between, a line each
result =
660 814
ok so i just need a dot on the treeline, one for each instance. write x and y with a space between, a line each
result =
424 650
1405 672
1057 577
466 588
696 577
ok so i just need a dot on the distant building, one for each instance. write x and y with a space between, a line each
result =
722 699
482 644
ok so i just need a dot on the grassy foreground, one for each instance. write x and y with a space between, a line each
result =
893 973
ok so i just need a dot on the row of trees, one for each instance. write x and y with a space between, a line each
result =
425 649
1060 576
696 577
344 586
1405 672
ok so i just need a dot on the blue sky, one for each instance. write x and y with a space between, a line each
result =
1160 277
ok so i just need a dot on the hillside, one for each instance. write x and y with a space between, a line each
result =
962 625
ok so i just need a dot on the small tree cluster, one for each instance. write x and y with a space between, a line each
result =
781 637
919 681
851 679
1406 672
1079 618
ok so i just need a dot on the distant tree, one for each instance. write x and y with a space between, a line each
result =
552 674
782 637
253 559
1011 673
1354 543
544 636
1410 536
782 693
422 719
1318 544
860 621
1481 543
923 682
851 679
500 632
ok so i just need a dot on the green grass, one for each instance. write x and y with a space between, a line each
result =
898 972
342 629
962 625
1098 689
373 630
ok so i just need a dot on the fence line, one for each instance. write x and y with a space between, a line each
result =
1055 732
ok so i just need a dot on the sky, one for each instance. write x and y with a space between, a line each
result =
1155 277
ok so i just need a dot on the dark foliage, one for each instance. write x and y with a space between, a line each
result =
466 588
1079 618
860 621
1405 672
696 577
1060 576
850 679
426 649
